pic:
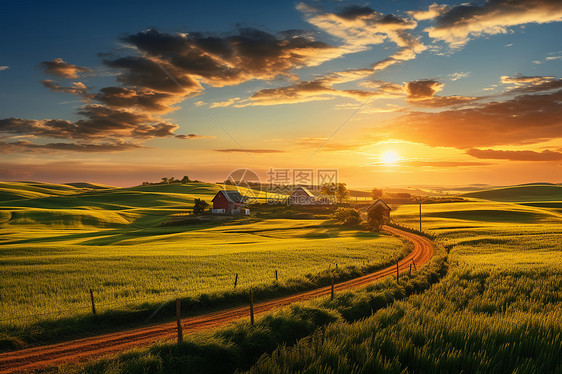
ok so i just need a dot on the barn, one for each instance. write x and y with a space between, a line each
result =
302 196
229 202
385 207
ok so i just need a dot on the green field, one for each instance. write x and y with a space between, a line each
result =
499 309
64 240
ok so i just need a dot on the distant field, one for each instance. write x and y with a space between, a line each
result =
530 192
55 248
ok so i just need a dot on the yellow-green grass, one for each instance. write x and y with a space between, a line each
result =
54 249
499 309
31 190
47 275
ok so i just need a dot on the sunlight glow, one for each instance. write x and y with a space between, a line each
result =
390 157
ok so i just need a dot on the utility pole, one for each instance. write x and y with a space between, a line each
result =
420 213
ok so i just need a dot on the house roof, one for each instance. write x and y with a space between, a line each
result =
377 202
310 194
231 196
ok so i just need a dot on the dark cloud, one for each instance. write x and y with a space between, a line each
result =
219 61
194 136
422 89
101 122
146 100
26 146
353 12
240 150
63 69
524 119
545 155
144 73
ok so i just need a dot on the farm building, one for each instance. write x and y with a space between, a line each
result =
229 202
381 203
302 196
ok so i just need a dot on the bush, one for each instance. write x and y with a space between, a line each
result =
199 206
347 216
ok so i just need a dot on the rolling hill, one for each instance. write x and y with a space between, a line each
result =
528 192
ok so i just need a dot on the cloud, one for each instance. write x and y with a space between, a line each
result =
524 119
459 23
63 69
433 11
422 93
422 89
234 59
26 146
150 74
522 84
459 75
225 103
546 155
194 136
439 164
319 89
143 99
319 143
4 67
360 27
77 88
240 150
101 122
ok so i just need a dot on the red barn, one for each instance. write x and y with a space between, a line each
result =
229 202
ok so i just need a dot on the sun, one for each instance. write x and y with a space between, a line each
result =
390 157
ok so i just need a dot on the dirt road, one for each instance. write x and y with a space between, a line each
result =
87 348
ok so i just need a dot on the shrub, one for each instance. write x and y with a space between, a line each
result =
347 216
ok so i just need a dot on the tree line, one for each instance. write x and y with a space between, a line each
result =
171 180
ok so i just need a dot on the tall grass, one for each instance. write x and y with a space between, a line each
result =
498 310
240 345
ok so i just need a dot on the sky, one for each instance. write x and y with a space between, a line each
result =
388 93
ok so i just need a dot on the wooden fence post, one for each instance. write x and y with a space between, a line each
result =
332 293
93 304
410 270
252 307
235 280
397 274
178 320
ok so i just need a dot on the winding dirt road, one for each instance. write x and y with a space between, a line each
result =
84 349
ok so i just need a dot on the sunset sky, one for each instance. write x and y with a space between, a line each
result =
391 93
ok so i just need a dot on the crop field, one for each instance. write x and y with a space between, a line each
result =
499 308
57 246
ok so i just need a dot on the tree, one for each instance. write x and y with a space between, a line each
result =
200 206
185 179
165 180
376 217
376 193
328 189
347 216
341 192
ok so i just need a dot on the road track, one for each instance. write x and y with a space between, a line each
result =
41 357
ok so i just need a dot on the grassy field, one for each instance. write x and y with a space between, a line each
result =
57 245
499 309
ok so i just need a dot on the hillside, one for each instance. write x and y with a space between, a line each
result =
78 205
529 192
